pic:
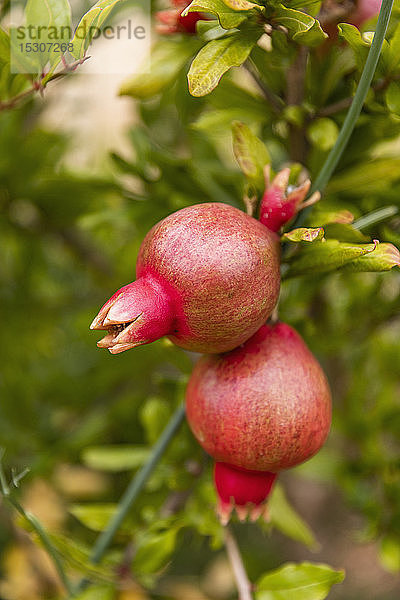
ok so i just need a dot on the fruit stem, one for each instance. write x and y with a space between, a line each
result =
243 583
356 106
131 493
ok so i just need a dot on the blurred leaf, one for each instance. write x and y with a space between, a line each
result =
324 256
394 50
228 18
97 592
97 516
302 28
304 234
367 178
154 551
115 458
323 133
284 517
392 97
322 216
345 232
89 23
303 581
154 414
217 57
77 556
250 153
389 554
167 59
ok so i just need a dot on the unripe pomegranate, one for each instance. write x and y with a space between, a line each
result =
263 407
281 202
207 277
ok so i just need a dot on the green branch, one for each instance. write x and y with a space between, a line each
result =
355 109
132 492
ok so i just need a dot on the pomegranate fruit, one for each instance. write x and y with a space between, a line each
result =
263 407
207 277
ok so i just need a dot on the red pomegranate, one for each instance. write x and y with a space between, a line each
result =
207 277
261 408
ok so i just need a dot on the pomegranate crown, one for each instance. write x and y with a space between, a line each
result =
281 202
242 490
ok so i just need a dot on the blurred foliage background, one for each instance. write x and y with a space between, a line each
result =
83 421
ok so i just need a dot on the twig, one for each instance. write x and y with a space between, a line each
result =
38 86
36 526
244 586
131 493
275 101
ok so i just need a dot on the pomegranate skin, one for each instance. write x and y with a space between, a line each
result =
207 277
265 406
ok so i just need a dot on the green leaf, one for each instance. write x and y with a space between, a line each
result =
326 255
304 234
302 28
54 16
250 153
92 20
154 551
392 97
303 581
383 258
228 18
167 59
217 57
287 520
323 133
359 46
97 516
4 47
115 458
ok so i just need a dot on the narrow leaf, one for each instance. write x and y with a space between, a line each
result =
287 520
